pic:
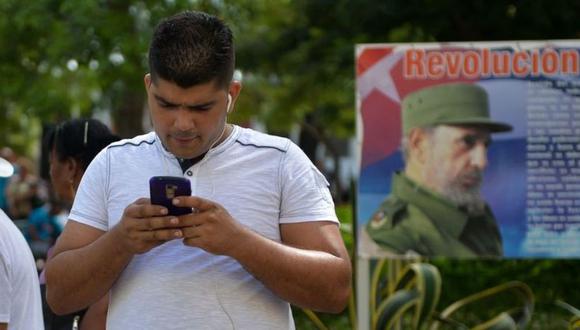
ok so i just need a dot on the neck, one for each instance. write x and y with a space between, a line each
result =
185 163
413 172
224 135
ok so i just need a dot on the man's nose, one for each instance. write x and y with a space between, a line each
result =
184 119
479 156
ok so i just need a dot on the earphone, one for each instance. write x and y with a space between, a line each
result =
228 108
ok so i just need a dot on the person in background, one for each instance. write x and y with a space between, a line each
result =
73 145
43 223
24 188
264 233
20 303
42 229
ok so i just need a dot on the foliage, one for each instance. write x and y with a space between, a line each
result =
306 319
550 280
574 321
344 214
408 298
415 289
553 283
62 59
512 318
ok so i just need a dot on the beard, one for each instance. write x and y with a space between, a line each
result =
468 197
456 190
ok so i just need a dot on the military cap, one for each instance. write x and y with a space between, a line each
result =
449 104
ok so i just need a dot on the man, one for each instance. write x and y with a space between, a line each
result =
20 306
435 207
263 232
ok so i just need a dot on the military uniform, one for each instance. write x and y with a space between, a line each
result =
413 219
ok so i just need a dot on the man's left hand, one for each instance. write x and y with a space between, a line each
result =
210 227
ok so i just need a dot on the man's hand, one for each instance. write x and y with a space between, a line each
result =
144 226
210 227
309 268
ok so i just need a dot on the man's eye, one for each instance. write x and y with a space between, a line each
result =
469 141
201 108
166 105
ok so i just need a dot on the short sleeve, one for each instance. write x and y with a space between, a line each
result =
90 207
305 191
5 288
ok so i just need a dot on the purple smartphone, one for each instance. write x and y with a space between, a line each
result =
163 189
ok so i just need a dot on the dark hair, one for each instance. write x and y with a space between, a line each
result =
192 48
81 139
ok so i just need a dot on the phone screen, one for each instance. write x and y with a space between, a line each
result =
163 189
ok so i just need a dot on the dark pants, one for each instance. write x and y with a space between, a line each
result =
57 322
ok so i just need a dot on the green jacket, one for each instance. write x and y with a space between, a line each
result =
414 219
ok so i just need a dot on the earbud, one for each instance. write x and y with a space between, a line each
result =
228 106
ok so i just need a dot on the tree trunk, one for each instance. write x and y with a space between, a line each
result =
128 117
310 136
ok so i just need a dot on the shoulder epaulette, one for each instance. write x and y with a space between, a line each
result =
388 213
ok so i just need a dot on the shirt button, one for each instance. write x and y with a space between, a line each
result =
189 173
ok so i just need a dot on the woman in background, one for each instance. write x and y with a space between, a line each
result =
73 145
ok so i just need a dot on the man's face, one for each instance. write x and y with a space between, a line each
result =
188 120
454 163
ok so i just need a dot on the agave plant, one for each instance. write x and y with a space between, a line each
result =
404 295
516 317
416 290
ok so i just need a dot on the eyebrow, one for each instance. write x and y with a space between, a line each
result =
189 106
486 139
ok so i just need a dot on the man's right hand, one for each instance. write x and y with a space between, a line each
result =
87 261
145 226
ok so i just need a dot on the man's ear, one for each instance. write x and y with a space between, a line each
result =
233 91
419 144
147 80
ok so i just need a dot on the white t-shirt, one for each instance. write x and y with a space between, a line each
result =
263 181
20 304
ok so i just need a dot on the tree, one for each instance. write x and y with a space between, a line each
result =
62 59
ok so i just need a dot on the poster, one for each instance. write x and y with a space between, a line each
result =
531 178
